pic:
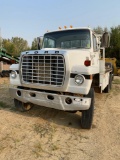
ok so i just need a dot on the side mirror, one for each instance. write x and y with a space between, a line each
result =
105 40
39 42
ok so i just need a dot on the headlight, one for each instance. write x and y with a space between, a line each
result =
13 74
79 79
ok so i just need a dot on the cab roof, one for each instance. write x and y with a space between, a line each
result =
66 29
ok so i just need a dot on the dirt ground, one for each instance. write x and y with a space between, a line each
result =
48 134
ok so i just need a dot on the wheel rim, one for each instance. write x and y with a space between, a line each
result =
27 106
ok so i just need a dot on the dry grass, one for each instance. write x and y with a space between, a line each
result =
116 81
43 134
4 105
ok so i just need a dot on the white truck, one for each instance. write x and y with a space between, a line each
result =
63 73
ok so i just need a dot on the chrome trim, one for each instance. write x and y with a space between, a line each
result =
82 77
15 73
41 98
43 69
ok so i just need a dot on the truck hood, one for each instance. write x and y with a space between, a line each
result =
74 59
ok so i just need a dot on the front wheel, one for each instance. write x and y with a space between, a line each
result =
87 115
22 106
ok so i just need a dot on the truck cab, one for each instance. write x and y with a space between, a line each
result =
63 74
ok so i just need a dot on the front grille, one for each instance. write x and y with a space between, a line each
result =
43 69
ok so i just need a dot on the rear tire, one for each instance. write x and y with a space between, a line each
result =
22 106
87 115
110 81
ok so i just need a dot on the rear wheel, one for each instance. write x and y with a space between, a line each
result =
110 81
87 115
22 106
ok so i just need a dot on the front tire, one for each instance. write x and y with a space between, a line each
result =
87 115
22 106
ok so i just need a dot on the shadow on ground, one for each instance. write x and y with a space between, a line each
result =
51 115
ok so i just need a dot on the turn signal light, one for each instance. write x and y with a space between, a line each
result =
87 63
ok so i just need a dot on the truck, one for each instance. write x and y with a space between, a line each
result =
113 61
5 61
63 73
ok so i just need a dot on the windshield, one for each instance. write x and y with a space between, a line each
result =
68 39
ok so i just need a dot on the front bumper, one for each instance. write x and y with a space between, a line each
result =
57 101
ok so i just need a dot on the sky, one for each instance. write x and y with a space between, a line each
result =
29 19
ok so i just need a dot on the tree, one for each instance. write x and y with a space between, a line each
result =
114 50
20 44
15 45
115 37
6 43
34 44
98 30
115 43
